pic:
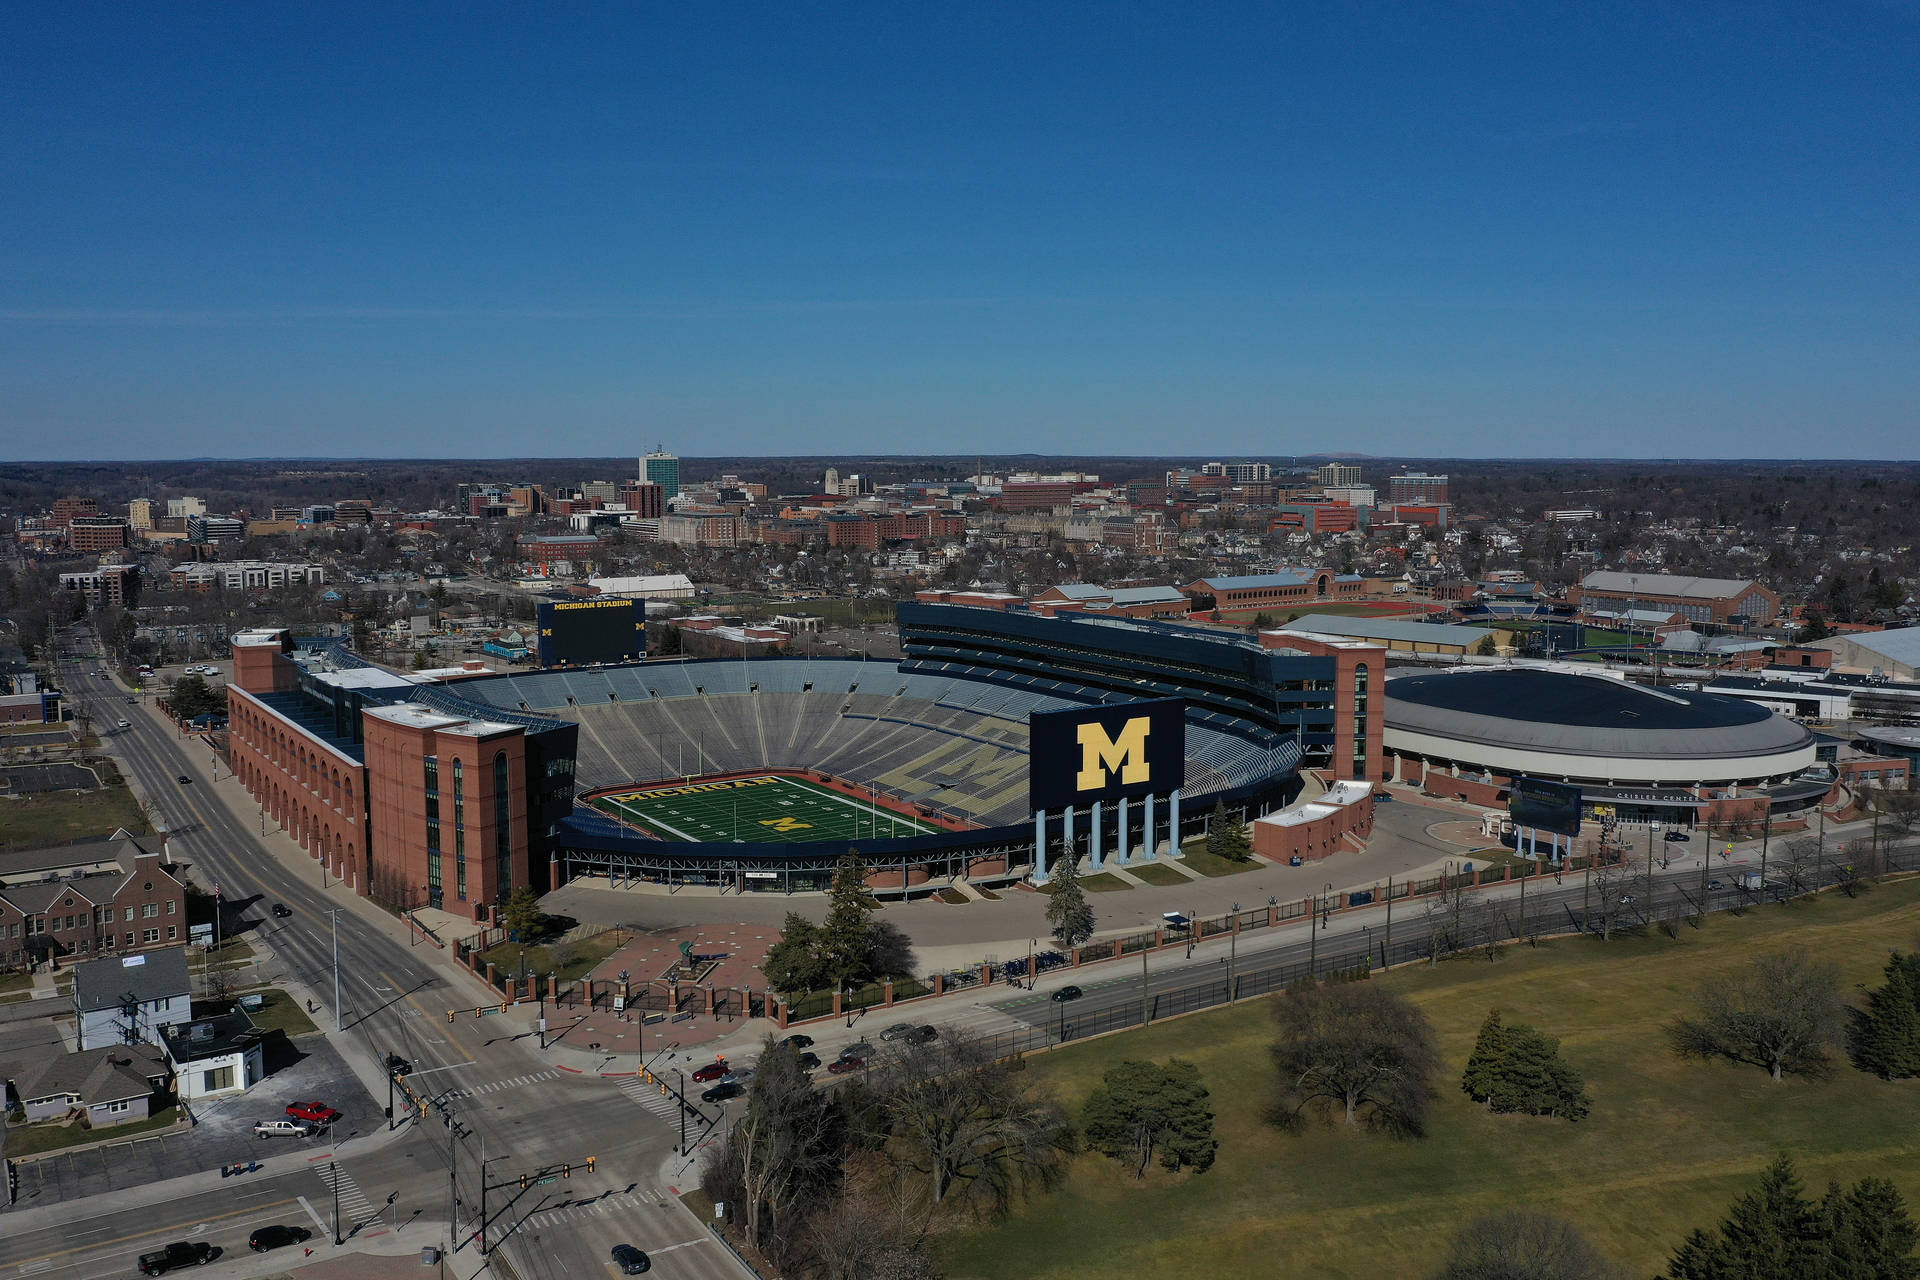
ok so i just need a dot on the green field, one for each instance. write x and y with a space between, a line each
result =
49 818
1669 1145
767 809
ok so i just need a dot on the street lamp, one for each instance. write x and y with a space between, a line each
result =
1233 949
681 1150
1326 905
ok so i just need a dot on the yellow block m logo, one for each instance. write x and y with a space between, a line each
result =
1101 755
785 824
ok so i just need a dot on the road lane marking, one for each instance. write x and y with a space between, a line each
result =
172 1229
409 998
315 1216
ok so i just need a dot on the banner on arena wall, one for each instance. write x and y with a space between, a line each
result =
1544 806
1088 754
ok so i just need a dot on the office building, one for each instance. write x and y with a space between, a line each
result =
662 469
1338 474
1417 489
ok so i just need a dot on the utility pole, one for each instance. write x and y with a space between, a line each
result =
1146 998
453 1183
335 914
1386 947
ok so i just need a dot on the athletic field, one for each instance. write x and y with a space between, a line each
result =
757 810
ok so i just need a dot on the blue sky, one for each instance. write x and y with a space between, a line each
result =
1477 229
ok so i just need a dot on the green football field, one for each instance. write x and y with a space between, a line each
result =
758 810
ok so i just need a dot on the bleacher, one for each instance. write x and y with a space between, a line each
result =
856 720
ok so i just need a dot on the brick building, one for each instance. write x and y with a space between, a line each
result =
117 585
1284 586
1718 601
65 509
93 898
99 533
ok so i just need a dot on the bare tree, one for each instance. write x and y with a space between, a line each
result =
783 1157
1781 1012
1610 895
872 1233
1523 1243
968 1124
1358 1047
1799 864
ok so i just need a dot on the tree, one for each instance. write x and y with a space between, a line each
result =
1225 837
1523 1244
1488 646
1781 1012
1774 1233
970 1126
1887 1036
1489 1057
1357 1047
793 964
521 915
1069 916
872 1235
846 935
783 1158
1140 1107
1813 626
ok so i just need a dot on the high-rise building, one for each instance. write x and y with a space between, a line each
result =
663 469
65 509
99 533
1339 474
180 508
140 514
1239 472
1416 487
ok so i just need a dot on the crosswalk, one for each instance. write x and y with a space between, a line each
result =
355 1209
494 1086
598 1207
649 1097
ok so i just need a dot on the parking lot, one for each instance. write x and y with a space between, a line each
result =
222 1133
29 779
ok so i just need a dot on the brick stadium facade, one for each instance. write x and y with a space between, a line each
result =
400 789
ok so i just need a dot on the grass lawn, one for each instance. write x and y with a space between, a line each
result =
15 982
1669 1145
36 1139
1195 855
1103 882
280 1013
1156 873
59 817
572 960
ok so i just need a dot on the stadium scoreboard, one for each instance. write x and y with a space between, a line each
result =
1088 754
1544 806
577 632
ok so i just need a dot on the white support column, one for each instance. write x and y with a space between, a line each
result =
1040 847
1122 847
1173 825
1067 822
1093 837
1149 846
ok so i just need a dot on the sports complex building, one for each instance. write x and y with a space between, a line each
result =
758 774
1636 753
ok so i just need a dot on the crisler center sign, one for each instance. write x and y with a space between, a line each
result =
1088 755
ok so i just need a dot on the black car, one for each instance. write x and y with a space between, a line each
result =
184 779
178 1254
726 1089
395 1065
924 1035
630 1260
858 1049
808 1061
799 1041
280 911
1677 837
1067 993
276 1237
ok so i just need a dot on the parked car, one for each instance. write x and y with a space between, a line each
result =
630 1260
922 1035
276 1237
1677 837
1067 993
799 1041
845 1065
808 1061
316 1113
722 1091
858 1049
739 1075
282 1129
897 1031
711 1072
178 1254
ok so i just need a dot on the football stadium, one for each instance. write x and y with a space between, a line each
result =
758 774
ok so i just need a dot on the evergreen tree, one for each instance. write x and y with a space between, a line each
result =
1872 1237
1774 1233
846 935
1068 914
1225 837
1141 1108
793 964
1535 1080
1488 1060
1888 1043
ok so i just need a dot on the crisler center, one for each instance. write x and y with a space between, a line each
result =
1001 739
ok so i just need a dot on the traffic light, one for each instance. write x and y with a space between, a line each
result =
476 1013
503 1006
566 1171
589 1164
450 1017
523 1182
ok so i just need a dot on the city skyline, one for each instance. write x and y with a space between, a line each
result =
1467 232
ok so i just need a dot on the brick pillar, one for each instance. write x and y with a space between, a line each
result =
1116 948
490 976
588 984
887 993
986 975
837 1010
710 1000
1033 967
780 1013
939 984
1273 916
